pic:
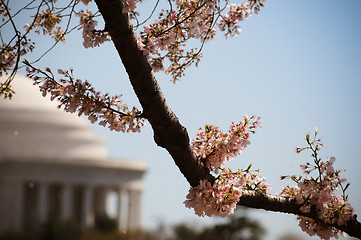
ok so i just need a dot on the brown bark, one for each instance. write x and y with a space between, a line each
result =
168 132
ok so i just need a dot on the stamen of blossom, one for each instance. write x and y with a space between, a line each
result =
78 96
320 192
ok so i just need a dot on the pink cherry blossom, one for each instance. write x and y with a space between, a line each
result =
215 148
165 39
7 58
91 36
221 197
163 42
218 147
320 191
75 95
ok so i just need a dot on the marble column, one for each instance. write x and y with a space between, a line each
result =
138 201
102 200
43 201
122 213
134 210
88 213
66 202
18 189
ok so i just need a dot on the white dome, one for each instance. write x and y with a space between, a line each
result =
32 126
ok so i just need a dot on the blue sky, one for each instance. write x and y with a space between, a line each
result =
297 64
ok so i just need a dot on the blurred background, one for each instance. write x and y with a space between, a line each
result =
296 64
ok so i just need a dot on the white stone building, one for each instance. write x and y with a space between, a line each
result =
51 165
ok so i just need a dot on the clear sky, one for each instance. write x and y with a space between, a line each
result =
297 64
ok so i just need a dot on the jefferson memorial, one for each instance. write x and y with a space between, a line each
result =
52 166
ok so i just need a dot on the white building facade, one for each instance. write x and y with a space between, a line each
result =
51 166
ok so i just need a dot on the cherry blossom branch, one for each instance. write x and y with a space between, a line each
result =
61 35
168 132
261 200
321 211
182 21
149 17
192 20
20 10
7 58
45 21
319 208
77 96
320 194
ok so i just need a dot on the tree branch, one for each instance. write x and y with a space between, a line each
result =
261 200
168 132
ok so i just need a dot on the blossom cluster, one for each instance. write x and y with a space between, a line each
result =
78 96
11 50
236 13
221 197
218 147
49 19
91 36
9 55
47 22
319 191
165 39
7 58
215 148
129 6
218 199
4 10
